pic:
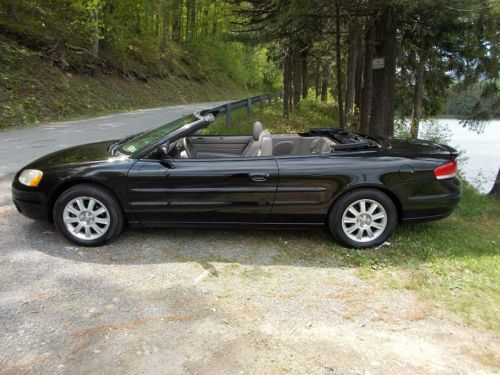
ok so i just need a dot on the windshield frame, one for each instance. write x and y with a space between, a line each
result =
203 119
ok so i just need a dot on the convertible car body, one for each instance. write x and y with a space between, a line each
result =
356 186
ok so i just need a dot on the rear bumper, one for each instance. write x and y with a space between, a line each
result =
32 204
441 199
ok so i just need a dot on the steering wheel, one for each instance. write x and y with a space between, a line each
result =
188 147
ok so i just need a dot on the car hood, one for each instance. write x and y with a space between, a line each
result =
82 154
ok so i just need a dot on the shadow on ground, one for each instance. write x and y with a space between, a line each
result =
314 248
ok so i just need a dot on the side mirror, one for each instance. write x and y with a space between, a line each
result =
167 163
162 152
163 155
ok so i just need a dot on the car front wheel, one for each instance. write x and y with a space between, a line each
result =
88 215
362 218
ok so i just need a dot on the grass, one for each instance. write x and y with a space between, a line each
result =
453 263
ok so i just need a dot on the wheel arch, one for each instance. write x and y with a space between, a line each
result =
393 197
65 185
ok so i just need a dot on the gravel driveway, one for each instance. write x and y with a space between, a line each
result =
202 301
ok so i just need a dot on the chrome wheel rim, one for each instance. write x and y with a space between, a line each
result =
364 220
86 218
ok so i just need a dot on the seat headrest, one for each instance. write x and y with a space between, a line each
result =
266 144
257 129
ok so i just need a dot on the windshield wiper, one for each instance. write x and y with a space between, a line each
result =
114 147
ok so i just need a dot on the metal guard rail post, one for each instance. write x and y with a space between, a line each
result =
249 103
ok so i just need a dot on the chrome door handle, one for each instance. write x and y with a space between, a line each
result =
259 177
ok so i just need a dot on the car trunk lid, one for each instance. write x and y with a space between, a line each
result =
421 147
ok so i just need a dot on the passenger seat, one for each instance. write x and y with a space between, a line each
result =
261 144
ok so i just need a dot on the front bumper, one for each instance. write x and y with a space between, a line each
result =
32 204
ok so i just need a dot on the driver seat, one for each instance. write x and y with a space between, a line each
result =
261 144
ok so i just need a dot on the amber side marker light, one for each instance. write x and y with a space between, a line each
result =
30 177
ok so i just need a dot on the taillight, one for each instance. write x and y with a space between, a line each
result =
447 170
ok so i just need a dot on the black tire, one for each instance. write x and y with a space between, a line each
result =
114 214
370 196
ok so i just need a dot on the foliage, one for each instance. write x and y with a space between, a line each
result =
302 46
32 90
312 114
139 38
430 130
144 42
451 42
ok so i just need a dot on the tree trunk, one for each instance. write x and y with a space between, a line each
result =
95 44
11 8
303 64
156 16
352 69
287 84
417 97
367 92
317 78
214 25
383 98
190 21
193 21
495 190
325 82
297 79
339 67
187 32
177 21
359 71
165 27
204 26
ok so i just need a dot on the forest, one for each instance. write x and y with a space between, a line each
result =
375 62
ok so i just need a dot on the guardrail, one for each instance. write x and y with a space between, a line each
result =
249 103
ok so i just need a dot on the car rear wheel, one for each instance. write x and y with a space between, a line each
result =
88 215
362 218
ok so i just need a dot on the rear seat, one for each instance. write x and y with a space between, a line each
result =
298 145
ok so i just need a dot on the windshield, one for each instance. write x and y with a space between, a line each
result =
144 140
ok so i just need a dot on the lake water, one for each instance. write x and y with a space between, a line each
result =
482 151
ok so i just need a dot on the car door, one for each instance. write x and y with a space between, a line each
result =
202 190
230 145
307 185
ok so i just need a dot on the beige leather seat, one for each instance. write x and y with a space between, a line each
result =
261 144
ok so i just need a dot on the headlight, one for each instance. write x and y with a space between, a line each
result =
30 177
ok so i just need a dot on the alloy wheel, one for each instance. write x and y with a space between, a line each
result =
86 218
364 220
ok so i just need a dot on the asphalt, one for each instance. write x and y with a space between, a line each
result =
18 147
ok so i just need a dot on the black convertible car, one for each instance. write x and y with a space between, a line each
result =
357 186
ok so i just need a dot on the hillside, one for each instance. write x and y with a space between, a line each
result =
34 89
61 59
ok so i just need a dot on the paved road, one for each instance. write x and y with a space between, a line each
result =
20 146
